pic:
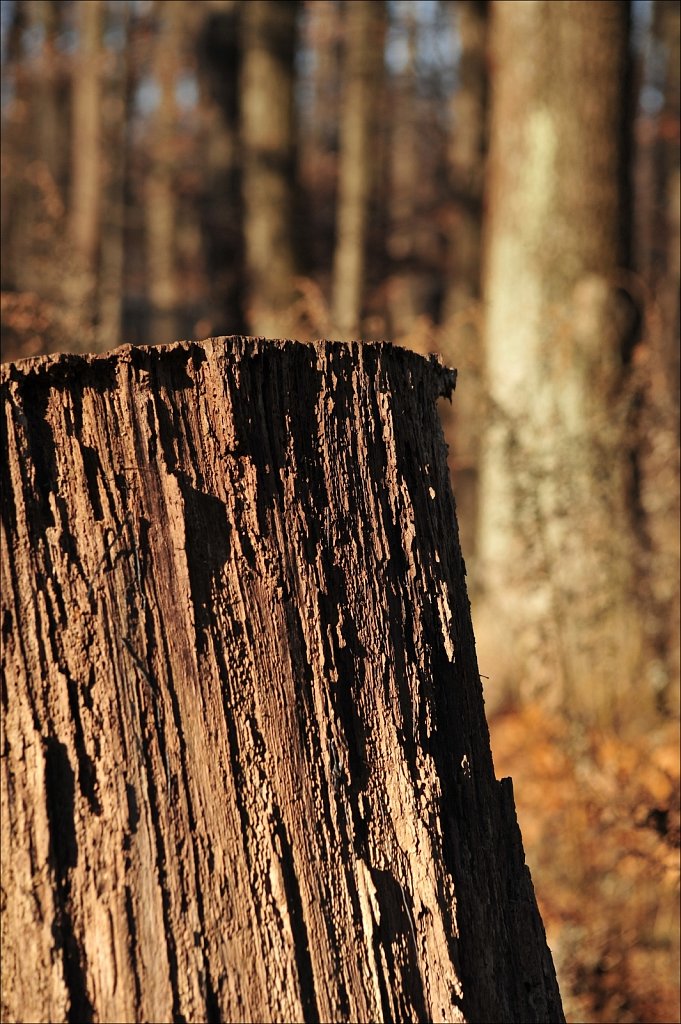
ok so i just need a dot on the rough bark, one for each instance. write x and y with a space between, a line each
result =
363 68
556 539
246 772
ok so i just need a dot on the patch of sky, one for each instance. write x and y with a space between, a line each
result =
6 16
641 22
115 31
187 92
653 55
436 42
148 94
33 38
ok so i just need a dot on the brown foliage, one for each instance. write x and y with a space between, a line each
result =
600 819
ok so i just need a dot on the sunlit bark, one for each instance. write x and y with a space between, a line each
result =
246 772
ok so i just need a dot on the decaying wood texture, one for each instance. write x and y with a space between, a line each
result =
246 773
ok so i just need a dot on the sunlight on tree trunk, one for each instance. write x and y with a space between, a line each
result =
363 70
556 542
268 140
246 771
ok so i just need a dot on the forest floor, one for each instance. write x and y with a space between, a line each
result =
600 822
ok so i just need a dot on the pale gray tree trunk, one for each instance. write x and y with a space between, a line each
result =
556 542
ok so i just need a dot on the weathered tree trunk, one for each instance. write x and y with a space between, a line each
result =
246 773
363 68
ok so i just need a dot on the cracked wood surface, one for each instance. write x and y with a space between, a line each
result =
246 773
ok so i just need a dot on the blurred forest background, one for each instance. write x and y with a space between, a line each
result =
497 182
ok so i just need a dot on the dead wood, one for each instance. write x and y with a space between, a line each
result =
246 773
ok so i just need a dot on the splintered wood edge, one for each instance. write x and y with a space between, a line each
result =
63 366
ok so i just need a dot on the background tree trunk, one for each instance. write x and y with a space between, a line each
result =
51 127
466 158
35 149
160 201
660 462
409 282
246 773
84 209
461 312
556 539
268 140
115 121
363 70
660 243
218 64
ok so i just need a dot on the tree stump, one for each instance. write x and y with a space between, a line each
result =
246 773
